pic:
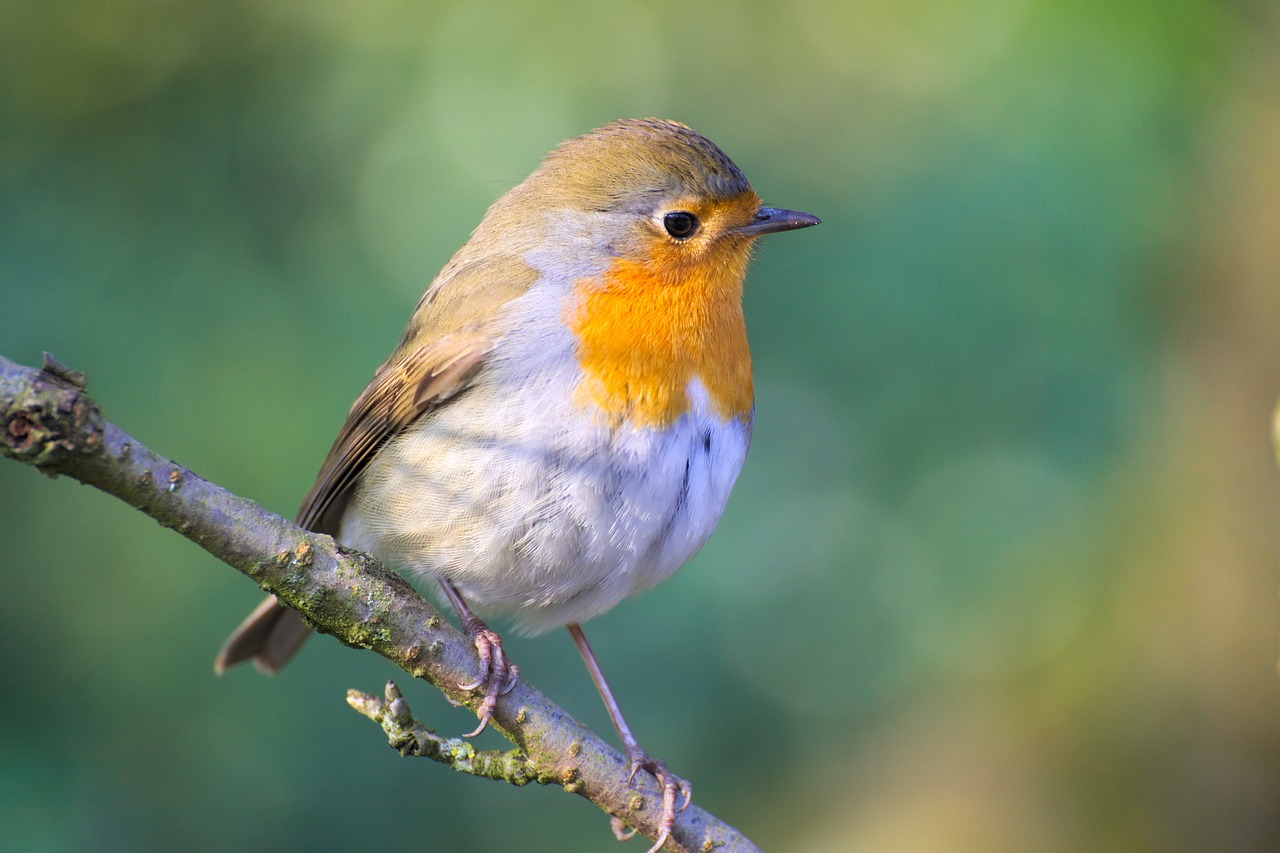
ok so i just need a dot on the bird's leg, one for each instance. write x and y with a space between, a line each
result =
673 787
497 674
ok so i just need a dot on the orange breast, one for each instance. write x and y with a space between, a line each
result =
650 327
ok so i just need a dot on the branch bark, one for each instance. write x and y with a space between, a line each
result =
48 420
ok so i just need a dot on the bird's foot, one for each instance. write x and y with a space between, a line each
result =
497 674
677 794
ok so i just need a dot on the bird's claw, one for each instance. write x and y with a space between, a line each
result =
497 674
674 791
621 831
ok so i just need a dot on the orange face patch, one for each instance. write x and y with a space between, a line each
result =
650 326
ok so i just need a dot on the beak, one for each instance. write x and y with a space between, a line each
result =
769 220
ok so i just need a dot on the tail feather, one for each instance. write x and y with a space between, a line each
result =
269 636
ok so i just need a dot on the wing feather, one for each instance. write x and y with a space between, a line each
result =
443 349
401 392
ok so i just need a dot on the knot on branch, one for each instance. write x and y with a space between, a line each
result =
51 417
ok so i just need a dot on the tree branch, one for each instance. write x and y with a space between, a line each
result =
48 421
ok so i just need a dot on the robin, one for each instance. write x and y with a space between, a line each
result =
565 414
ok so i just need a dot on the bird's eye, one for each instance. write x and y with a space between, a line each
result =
680 224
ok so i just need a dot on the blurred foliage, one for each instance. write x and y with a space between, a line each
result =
1001 571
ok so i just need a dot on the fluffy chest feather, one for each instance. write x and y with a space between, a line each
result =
534 505
548 525
645 333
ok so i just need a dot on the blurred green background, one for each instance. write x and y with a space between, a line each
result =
1001 571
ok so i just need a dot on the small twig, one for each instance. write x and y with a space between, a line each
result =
411 738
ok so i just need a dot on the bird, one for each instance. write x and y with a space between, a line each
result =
566 412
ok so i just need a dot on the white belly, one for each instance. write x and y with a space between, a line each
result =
536 510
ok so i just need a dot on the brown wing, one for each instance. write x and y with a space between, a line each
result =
446 342
451 331
402 390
